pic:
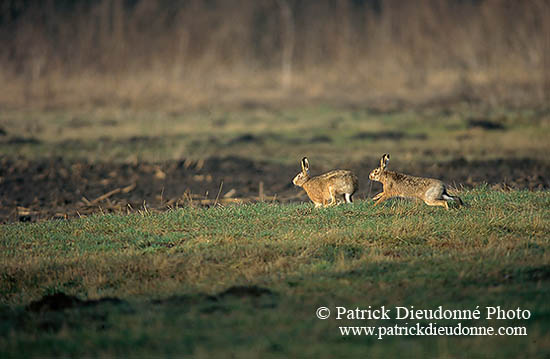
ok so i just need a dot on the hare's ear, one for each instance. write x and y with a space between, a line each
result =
305 165
384 161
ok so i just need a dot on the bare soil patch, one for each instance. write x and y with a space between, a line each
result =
32 190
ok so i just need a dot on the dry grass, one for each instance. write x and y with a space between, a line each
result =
198 53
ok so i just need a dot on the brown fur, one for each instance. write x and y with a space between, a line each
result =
432 191
328 188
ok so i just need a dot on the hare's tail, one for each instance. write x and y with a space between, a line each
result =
447 196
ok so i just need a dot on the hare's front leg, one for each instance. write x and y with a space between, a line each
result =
381 197
378 196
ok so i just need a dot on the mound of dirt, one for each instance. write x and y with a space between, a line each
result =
245 291
62 301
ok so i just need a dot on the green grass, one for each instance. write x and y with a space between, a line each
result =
170 268
334 134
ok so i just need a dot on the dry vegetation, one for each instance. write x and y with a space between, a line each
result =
146 53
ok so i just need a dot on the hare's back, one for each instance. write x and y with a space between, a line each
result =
418 185
344 180
337 175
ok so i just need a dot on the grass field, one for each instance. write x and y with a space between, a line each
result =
147 150
245 281
335 134
166 274
55 163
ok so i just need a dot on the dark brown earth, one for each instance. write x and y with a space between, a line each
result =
53 312
55 188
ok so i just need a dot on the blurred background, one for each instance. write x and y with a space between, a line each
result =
114 105
197 52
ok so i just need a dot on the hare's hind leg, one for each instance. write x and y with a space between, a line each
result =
435 196
438 202
447 196
332 193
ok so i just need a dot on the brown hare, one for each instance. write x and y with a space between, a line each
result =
432 191
325 189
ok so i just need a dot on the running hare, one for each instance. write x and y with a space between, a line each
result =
432 191
324 189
